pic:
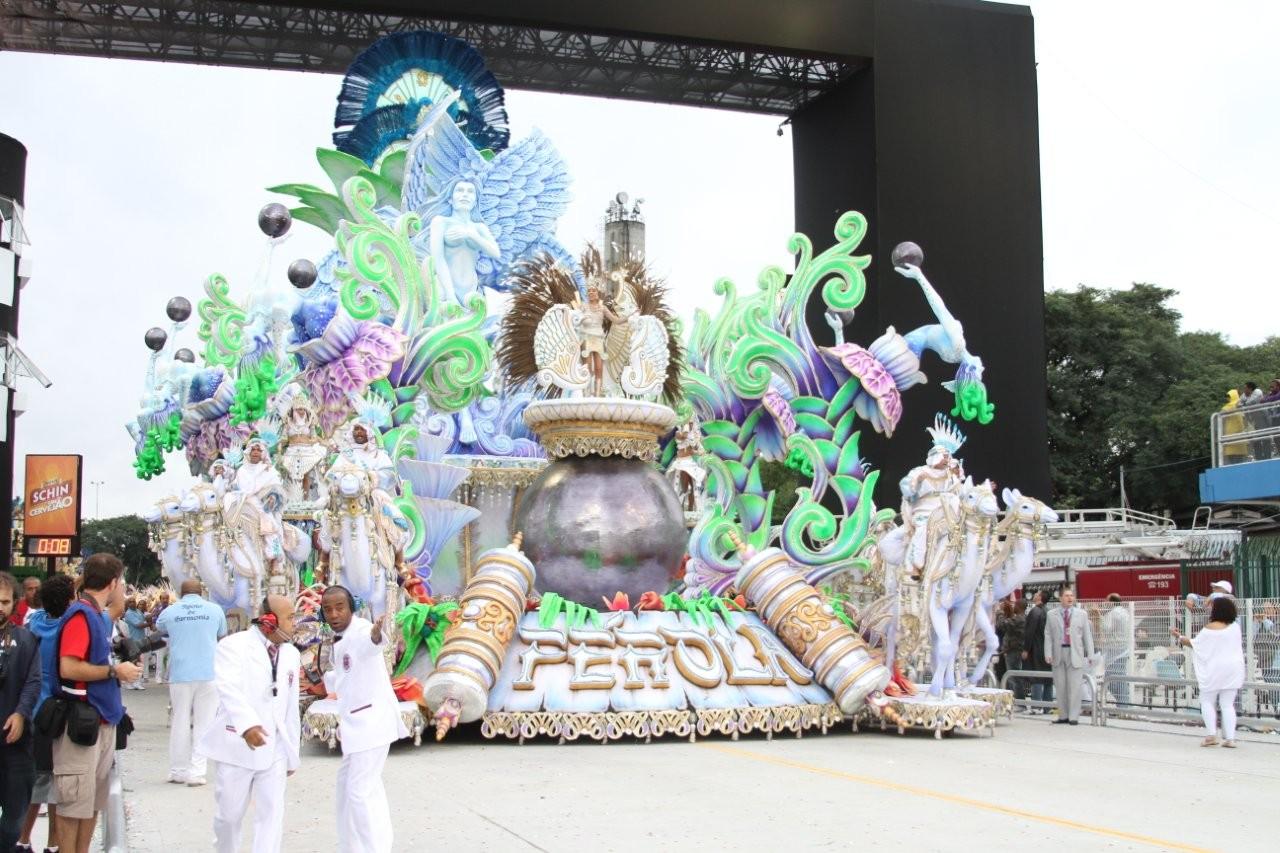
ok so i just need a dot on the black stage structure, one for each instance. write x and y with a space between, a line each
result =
922 114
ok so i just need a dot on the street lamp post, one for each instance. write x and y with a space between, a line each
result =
97 497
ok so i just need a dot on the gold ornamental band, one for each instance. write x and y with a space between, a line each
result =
457 670
834 660
829 638
791 602
852 678
763 603
754 574
497 580
504 560
500 594
460 634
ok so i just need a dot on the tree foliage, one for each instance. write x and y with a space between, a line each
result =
1127 387
126 537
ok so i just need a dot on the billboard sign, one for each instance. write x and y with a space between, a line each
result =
51 504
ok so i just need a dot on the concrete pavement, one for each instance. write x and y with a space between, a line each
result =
1033 786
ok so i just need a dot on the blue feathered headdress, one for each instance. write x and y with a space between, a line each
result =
391 85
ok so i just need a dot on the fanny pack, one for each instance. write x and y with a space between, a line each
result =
83 723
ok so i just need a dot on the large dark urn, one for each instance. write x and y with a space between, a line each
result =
597 524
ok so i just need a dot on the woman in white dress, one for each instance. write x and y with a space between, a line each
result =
1219 657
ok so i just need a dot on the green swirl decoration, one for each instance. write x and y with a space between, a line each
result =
971 402
759 351
381 261
409 509
221 323
811 522
452 359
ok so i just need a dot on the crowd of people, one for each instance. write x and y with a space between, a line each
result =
1240 420
68 648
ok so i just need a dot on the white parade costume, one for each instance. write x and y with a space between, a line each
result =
259 484
369 722
371 457
243 677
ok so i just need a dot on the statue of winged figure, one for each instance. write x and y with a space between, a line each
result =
593 346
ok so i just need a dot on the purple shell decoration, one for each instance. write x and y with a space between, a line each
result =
877 386
367 352
778 406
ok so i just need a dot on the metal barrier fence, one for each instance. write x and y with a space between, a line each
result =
1087 701
1180 701
1245 434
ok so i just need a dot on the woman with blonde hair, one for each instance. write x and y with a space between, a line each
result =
1219 657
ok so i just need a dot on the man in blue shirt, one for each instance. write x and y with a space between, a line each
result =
193 626
137 622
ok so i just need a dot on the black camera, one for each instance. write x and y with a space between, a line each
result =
131 650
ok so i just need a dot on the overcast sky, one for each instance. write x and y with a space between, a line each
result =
1159 137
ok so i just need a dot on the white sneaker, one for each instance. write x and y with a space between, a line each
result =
195 783
175 779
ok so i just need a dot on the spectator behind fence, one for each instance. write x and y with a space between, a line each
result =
1004 611
1235 451
85 752
136 622
1068 645
19 689
1033 652
1250 394
1219 656
193 626
1013 644
160 657
56 594
1115 646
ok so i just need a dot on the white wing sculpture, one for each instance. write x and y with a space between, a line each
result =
645 370
557 351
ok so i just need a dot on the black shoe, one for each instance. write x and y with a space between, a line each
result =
1073 722
1060 722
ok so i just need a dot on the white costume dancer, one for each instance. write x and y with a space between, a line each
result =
258 481
368 723
923 487
257 697
363 450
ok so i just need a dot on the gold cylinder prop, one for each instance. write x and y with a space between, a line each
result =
486 619
796 612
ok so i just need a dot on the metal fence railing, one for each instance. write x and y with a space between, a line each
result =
1245 434
1016 680
1178 699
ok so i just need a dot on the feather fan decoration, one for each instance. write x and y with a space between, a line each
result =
400 76
535 286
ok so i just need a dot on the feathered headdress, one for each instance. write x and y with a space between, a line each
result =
945 434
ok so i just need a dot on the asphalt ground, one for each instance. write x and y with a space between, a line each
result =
1126 786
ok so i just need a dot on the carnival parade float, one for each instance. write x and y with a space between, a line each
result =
558 501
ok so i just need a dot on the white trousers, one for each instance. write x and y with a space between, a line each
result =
1210 701
193 704
233 788
364 816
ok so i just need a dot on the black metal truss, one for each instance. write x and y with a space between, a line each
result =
218 32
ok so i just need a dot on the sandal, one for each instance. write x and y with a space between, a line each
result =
1209 741
1229 744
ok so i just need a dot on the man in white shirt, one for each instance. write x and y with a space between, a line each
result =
256 731
193 627
369 722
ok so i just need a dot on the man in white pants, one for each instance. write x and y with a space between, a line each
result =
194 627
256 731
369 722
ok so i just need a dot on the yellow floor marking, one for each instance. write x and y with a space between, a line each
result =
953 798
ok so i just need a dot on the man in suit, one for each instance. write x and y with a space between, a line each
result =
369 722
1068 645
257 728
1033 652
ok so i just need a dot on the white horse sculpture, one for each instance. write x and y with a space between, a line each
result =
362 535
220 558
169 536
1009 565
958 533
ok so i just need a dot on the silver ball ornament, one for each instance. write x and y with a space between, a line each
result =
302 273
186 355
155 338
178 309
274 219
907 253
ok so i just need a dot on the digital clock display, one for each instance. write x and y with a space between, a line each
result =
48 546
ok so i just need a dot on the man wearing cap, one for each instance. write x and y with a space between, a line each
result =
1220 589
369 722
256 731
